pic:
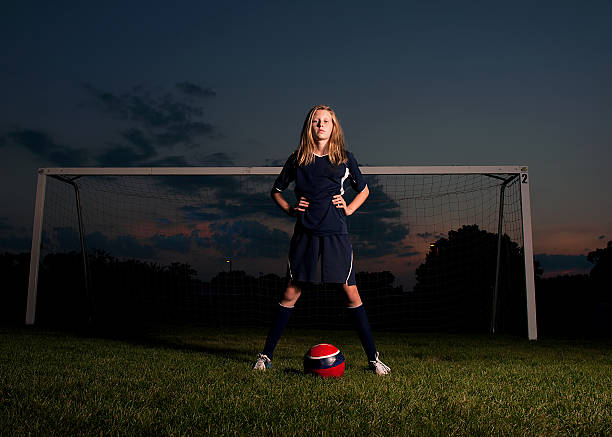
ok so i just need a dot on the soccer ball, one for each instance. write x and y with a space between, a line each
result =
324 360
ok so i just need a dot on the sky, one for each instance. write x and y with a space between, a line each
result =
229 83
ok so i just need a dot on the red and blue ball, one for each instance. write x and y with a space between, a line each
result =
324 360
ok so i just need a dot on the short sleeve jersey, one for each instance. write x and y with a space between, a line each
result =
318 182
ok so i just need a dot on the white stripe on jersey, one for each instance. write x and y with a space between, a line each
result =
346 175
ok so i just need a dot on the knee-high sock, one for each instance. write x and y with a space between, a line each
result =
360 319
276 330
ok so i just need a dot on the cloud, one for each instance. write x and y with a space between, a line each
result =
381 240
377 228
120 156
15 243
279 162
121 246
67 238
200 241
42 145
428 236
176 243
169 161
377 225
193 90
222 196
157 121
248 238
4 226
195 185
139 140
198 213
61 238
161 118
216 159
183 133
563 264
409 253
224 199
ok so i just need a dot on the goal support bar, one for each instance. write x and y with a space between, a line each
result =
390 170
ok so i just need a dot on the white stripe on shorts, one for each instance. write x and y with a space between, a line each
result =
289 266
351 269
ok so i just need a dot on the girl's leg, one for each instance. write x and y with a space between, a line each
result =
291 295
360 320
288 299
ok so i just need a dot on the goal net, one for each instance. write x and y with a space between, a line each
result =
435 249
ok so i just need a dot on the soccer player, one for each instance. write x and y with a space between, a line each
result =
319 168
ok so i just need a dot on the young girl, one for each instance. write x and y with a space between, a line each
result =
319 168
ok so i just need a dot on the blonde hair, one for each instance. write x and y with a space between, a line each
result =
307 147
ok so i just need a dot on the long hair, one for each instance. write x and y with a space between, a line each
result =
307 147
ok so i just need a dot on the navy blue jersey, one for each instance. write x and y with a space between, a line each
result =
318 182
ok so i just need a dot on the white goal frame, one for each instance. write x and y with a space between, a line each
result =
43 173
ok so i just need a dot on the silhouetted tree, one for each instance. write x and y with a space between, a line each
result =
601 281
457 279
61 290
14 268
577 305
562 305
374 281
538 271
601 259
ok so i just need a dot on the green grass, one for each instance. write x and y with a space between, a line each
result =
183 381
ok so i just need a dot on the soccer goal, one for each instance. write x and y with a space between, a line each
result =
444 248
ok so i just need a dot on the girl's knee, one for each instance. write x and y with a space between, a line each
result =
291 295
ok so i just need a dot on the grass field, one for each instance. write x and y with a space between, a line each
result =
185 381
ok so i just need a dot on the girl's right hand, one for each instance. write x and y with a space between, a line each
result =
299 207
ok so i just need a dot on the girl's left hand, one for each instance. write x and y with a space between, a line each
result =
339 201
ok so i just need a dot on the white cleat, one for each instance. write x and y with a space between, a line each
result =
379 367
262 363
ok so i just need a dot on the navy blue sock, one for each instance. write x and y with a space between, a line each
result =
278 326
360 319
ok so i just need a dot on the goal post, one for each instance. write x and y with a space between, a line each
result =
35 251
528 245
440 191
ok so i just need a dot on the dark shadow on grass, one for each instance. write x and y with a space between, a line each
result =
434 358
233 354
152 336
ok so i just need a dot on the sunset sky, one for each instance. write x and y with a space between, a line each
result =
229 83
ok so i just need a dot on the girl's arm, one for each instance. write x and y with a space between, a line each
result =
288 209
339 201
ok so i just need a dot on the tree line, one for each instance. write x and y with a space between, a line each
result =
455 292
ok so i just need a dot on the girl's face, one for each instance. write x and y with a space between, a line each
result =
322 125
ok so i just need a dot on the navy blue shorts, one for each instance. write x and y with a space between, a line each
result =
336 255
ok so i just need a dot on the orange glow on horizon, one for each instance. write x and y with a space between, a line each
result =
568 241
